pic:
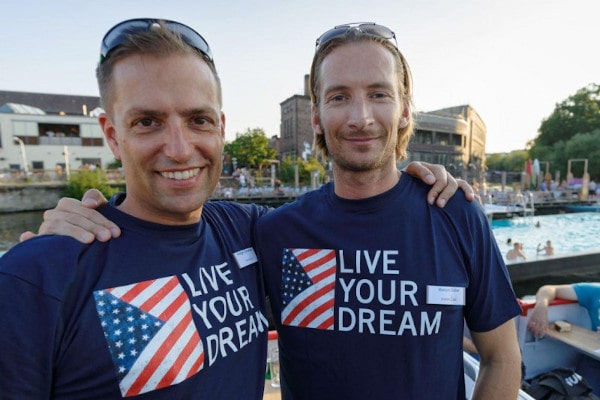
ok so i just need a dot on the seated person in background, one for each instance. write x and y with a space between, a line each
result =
587 295
516 252
547 249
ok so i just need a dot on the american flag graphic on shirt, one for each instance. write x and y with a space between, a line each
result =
308 288
150 334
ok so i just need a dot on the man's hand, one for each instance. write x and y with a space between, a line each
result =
78 219
444 184
538 322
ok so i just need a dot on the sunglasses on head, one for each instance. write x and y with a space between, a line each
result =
118 34
369 28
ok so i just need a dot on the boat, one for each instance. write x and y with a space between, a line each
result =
541 355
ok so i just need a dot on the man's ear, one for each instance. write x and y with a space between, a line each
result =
315 120
405 116
110 133
223 125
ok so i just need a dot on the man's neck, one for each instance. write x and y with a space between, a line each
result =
361 185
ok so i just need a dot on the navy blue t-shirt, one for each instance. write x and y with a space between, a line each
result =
370 296
163 312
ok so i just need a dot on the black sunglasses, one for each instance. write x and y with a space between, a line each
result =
370 28
117 35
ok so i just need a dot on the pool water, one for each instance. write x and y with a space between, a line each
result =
569 233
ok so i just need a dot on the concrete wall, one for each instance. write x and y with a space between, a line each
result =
30 197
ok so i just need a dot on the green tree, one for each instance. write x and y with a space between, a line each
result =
510 162
570 132
250 148
584 145
580 113
305 169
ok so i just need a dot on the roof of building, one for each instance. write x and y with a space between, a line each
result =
14 108
51 103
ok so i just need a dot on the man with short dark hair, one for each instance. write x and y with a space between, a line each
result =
174 308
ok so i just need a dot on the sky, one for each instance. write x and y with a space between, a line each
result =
511 60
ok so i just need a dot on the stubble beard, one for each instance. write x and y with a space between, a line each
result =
344 163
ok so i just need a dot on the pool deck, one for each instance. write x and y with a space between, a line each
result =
575 263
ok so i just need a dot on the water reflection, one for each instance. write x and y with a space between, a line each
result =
13 224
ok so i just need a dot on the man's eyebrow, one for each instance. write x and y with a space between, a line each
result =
198 111
382 85
374 85
162 114
134 112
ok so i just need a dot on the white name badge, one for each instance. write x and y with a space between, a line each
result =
446 295
245 257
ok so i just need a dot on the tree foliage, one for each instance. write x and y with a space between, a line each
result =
572 131
513 161
250 148
305 168
580 146
580 113
82 180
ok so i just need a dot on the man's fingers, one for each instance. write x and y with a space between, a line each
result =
538 330
444 184
72 218
93 198
26 236
76 226
442 190
470 194
67 228
420 170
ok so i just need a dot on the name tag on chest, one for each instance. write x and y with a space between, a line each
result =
446 295
245 257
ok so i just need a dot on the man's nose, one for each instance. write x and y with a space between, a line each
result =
361 114
177 142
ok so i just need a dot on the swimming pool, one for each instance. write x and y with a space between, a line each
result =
569 233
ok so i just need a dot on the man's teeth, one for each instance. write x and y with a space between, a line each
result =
180 175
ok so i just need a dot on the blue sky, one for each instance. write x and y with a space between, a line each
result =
512 60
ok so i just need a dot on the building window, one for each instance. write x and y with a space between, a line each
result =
456 140
24 128
58 130
92 131
423 137
442 138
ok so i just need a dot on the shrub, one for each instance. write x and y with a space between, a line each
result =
82 180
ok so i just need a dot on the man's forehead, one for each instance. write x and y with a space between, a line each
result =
153 84
364 62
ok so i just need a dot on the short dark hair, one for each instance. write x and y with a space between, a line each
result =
159 41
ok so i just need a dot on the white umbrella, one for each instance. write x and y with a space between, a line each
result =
535 171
